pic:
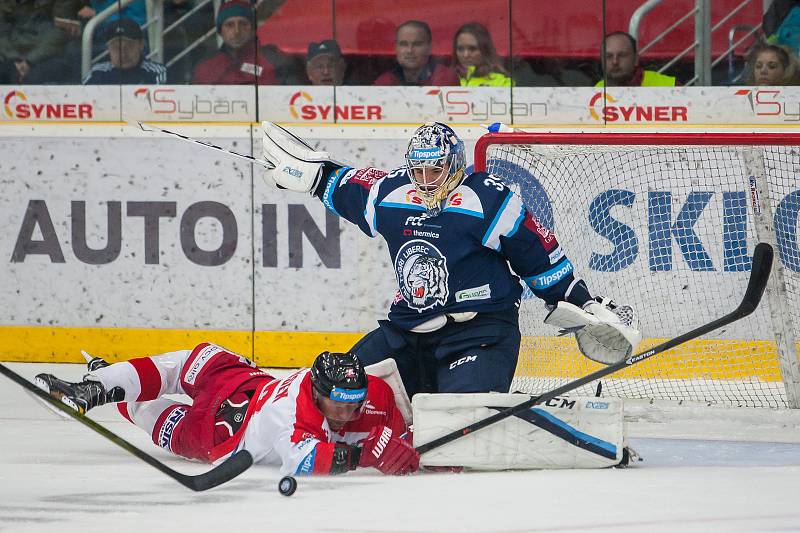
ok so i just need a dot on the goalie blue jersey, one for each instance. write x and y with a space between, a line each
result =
457 260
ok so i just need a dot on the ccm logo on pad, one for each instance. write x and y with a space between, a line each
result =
465 359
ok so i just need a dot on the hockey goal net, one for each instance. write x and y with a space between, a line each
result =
666 223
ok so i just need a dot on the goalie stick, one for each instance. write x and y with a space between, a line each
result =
759 275
150 129
232 467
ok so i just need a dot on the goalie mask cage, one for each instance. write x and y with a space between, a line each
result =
666 223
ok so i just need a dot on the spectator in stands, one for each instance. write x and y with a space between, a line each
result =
30 42
127 66
136 10
238 61
781 23
772 64
621 65
325 64
475 58
415 66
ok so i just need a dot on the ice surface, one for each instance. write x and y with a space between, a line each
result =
56 475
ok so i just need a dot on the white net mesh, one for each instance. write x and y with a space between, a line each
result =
669 230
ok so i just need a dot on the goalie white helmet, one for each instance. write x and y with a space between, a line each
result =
436 160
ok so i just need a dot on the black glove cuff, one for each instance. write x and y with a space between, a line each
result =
345 458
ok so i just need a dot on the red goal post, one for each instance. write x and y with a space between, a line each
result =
666 222
631 139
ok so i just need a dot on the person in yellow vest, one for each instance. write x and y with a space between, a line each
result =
475 58
621 65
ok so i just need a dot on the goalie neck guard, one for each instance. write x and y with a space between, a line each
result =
436 161
340 377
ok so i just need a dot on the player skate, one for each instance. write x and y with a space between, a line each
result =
81 396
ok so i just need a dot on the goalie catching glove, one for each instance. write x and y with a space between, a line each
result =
606 333
297 166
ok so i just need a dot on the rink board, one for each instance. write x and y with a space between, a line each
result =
722 358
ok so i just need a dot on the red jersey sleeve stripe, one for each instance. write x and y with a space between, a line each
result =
149 378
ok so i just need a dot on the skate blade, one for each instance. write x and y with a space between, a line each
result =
47 405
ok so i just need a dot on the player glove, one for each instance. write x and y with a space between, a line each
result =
388 453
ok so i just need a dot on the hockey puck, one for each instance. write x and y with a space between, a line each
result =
287 485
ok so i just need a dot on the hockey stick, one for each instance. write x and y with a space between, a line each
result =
759 275
150 129
232 467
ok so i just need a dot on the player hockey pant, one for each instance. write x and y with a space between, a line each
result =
479 355
219 382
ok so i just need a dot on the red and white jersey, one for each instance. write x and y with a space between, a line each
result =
285 426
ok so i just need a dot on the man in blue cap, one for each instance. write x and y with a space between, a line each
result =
127 65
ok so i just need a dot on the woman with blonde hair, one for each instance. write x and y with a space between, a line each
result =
772 64
475 58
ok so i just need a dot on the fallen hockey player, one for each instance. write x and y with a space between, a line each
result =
328 419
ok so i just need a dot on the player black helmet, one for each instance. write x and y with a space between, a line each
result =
340 377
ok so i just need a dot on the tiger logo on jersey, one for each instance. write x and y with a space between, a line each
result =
422 274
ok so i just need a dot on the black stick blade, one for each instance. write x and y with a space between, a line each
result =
232 467
763 257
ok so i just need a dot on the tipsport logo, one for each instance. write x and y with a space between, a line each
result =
348 395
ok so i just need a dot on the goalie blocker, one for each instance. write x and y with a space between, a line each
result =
562 433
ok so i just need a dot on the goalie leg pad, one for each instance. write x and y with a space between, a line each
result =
387 370
564 433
